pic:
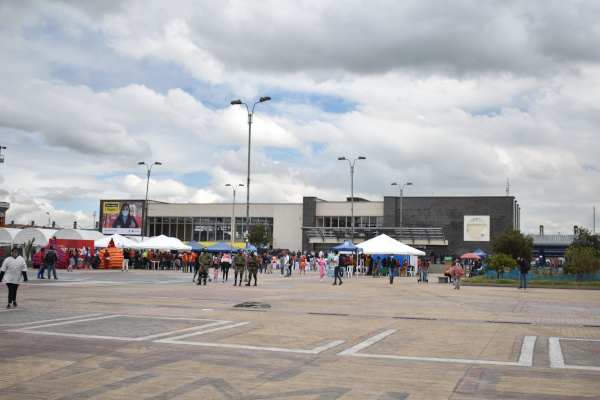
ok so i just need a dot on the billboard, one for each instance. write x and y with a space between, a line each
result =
477 228
124 217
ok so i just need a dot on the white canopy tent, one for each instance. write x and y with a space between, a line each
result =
119 240
7 235
162 242
42 236
78 234
385 245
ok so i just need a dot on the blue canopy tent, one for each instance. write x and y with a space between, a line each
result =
250 247
196 246
347 246
222 247
481 254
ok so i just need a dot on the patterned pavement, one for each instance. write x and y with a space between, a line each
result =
156 335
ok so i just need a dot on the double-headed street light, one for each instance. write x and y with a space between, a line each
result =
235 188
401 193
149 167
250 115
352 187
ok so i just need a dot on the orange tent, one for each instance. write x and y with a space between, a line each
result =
116 258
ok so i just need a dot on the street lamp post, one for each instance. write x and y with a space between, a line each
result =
233 211
48 218
352 188
401 193
1 156
250 115
149 168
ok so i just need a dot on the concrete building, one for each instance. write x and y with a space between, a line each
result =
444 225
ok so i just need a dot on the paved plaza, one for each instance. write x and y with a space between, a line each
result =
156 335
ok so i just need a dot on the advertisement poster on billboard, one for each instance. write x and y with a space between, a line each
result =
124 217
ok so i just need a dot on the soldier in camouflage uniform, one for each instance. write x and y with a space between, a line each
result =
238 264
252 267
203 261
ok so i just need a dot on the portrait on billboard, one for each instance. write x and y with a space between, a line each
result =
122 216
477 228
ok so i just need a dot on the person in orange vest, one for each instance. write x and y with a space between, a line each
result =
193 267
184 262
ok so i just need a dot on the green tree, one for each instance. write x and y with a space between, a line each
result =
28 248
585 238
581 261
500 263
259 237
513 243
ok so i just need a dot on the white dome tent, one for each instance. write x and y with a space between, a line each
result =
78 234
7 235
42 236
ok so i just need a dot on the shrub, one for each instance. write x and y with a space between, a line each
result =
500 263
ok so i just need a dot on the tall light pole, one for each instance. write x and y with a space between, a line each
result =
1 156
250 115
352 188
149 168
48 218
233 210
401 193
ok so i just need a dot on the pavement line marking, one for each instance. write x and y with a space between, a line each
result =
525 358
175 340
50 320
131 339
557 360
63 323
366 343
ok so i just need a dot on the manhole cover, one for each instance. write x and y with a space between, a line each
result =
253 304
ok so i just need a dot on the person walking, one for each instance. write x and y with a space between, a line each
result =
225 265
391 265
322 267
193 266
216 264
238 267
125 266
423 266
337 269
253 263
51 259
524 268
41 256
282 263
13 272
457 272
71 261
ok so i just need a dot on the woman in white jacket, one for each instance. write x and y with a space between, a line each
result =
13 271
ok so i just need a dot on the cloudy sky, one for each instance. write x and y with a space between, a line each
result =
453 96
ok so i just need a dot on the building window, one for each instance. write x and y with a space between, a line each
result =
346 222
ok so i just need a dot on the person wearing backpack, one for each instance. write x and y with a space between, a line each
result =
51 259
524 270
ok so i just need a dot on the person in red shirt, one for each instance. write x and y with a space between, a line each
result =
193 266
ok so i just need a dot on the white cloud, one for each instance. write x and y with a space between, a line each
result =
454 98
